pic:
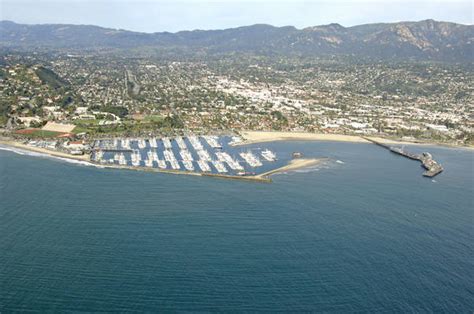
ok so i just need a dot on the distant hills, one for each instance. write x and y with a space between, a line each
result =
424 40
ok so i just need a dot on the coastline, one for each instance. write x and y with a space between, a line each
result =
44 150
264 177
294 164
250 137
253 137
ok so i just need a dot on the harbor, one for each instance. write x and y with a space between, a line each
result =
192 154
432 167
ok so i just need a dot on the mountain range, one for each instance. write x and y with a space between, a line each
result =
423 40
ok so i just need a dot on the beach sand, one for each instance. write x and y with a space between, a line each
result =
294 164
251 137
44 150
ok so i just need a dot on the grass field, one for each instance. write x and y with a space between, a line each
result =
38 133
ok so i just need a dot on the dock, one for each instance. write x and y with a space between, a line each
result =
114 150
433 168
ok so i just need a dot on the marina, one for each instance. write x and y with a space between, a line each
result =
208 154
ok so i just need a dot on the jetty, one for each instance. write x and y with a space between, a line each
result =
432 167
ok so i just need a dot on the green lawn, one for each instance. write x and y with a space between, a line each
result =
153 118
41 134
86 122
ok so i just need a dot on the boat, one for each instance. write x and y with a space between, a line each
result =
251 159
235 140
194 140
136 158
181 143
219 166
167 143
268 155
169 156
213 141
204 165
225 157
204 154
188 165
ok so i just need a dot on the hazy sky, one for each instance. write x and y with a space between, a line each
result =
167 15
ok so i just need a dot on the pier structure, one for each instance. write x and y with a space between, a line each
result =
432 167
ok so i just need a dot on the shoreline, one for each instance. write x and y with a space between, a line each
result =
46 151
294 164
263 177
253 137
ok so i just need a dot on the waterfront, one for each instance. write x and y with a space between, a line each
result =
362 232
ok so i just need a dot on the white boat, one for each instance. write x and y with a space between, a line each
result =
122 160
268 155
219 166
181 143
213 141
251 159
203 165
167 143
235 140
153 143
149 163
204 155
162 164
169 156
195 142
225 157
188 164
186 155
136 158
141 144
125 143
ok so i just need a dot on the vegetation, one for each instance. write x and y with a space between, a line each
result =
49 77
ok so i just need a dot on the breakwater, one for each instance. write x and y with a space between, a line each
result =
432 167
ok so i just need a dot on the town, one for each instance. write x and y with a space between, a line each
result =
84 97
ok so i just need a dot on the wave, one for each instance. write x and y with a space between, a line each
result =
340 162
25 152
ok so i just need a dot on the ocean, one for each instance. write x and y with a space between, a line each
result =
363 232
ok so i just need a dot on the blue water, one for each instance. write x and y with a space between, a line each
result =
362 232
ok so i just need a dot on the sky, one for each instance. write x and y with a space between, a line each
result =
172 16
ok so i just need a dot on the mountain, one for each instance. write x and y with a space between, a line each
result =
424 40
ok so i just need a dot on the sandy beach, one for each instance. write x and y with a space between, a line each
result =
294 164
44 150
251 137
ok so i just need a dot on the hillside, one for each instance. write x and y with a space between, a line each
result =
424 40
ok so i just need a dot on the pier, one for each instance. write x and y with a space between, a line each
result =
432 167
114 150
